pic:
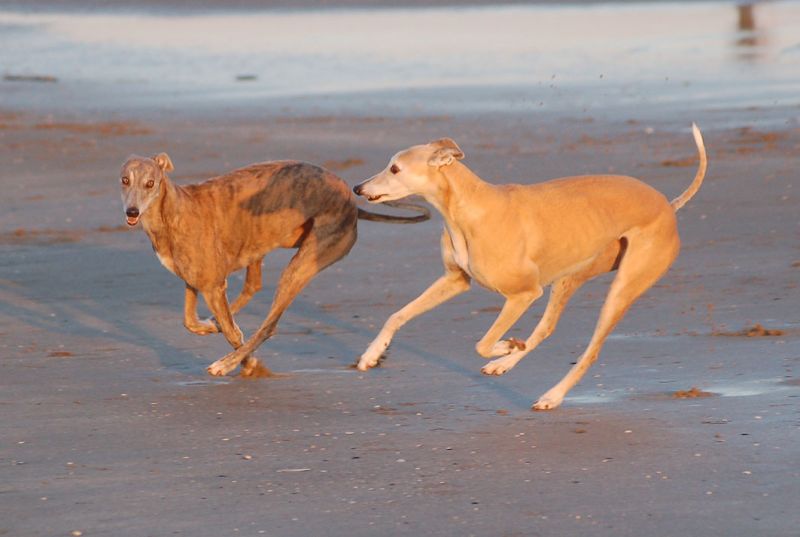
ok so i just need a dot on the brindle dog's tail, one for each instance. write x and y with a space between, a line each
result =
425 214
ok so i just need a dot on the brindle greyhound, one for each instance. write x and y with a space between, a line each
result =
204 232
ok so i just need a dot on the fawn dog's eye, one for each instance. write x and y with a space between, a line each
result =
125 181
395 169
150 183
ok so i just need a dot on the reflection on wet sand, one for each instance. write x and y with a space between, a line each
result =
751 41
626 51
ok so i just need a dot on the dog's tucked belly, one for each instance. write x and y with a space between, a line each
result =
548 277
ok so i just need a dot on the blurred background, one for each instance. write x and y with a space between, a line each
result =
357 56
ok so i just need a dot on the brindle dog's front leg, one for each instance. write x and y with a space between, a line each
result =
190 319
252 285
218 304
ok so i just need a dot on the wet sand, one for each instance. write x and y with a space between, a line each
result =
112 428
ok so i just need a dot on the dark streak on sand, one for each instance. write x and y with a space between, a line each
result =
30 78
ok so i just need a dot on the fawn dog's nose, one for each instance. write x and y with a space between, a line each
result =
358 189
133 212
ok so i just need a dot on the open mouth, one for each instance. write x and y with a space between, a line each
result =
375 198
132 220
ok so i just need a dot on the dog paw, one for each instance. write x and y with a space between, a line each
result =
372 356
203 328
500 366
547 402
367 362
219 368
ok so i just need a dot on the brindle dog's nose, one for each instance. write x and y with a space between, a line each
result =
133 212
358 189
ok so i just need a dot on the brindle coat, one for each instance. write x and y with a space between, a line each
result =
204 232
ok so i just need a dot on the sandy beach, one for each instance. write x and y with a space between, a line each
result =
111 426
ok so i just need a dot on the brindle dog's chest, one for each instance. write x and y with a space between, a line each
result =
166 260
163 251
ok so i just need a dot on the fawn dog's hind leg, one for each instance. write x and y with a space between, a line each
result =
648 256
560 292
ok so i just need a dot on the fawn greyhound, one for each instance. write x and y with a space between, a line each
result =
204 232
516 239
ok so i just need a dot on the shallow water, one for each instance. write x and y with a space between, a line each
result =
689 55
743 388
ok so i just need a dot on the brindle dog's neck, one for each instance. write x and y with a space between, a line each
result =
158 218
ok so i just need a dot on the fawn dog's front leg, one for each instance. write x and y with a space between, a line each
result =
451 284
515 305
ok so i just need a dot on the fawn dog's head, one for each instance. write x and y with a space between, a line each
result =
141 180
411 171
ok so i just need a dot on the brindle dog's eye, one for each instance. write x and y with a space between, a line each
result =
126 181
394 169
150 183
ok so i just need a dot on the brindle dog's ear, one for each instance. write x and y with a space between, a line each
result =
164 162
445 153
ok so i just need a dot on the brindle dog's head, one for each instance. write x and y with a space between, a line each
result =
411 172
141 180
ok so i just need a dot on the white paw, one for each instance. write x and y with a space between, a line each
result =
367 361
548 402
500 366
372 355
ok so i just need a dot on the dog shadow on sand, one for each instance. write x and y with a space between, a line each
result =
97 292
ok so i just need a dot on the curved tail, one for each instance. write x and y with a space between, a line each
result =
681 200
425 214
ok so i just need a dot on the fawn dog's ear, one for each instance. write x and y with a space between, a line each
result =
446 151
164 162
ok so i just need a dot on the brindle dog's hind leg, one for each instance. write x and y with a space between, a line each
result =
252 285
317 250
